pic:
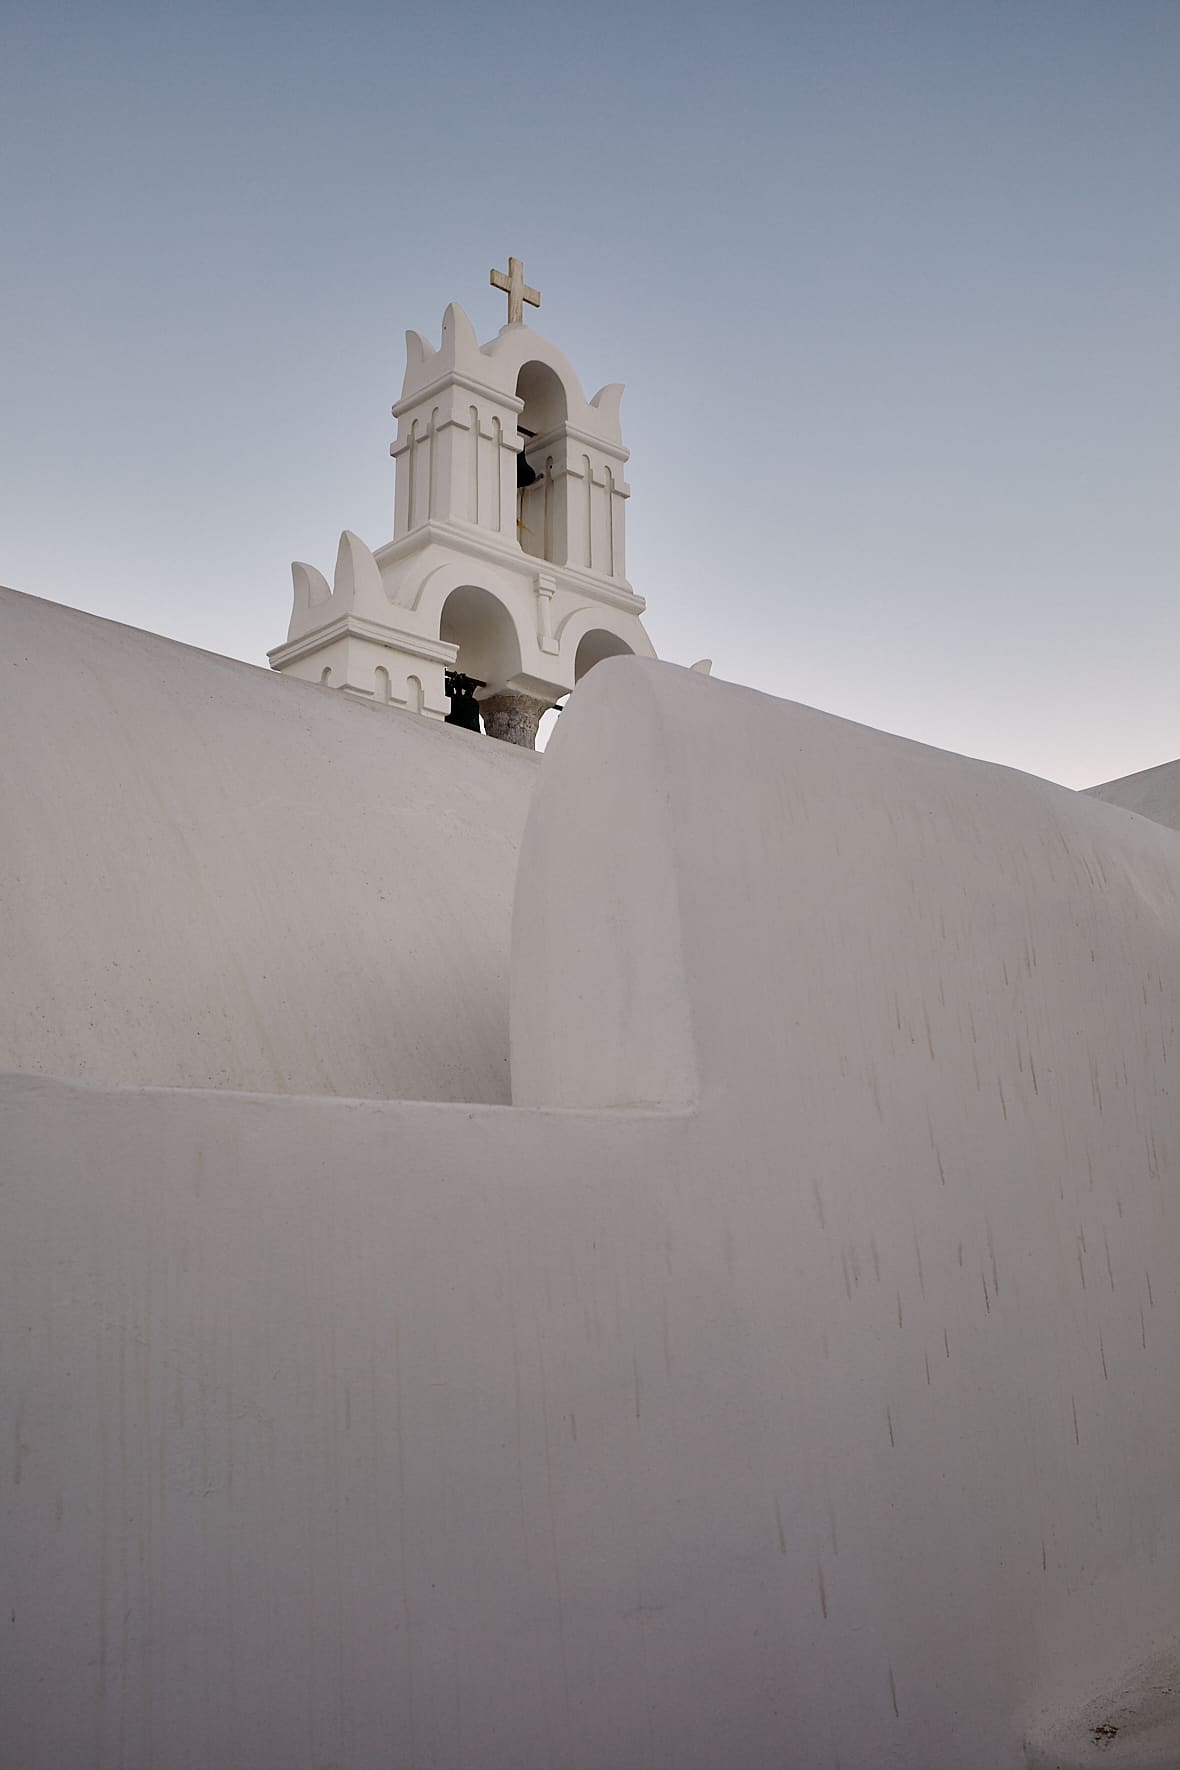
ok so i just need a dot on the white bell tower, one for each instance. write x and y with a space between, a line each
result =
506 570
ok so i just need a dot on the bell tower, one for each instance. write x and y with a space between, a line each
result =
505 577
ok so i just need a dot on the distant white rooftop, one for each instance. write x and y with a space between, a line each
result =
1153 793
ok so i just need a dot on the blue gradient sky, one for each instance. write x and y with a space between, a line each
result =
893 287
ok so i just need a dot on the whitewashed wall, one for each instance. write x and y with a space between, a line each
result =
828 1418
1155 793
213 876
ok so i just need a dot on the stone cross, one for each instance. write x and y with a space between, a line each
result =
516 289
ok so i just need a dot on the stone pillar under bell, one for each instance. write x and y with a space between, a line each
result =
513 717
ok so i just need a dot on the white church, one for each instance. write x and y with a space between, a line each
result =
656 1255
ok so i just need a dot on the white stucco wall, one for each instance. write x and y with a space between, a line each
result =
1153 793
828 1418
214 876
928 1009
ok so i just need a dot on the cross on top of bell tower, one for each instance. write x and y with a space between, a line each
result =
516 289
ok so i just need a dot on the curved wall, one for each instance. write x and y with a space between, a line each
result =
214 876
828 1421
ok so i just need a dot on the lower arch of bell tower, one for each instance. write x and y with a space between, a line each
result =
482 627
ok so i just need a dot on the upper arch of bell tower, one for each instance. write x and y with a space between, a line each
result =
497 364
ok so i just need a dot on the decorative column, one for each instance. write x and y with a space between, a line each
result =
513 717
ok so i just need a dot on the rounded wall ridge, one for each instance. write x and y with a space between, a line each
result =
597 920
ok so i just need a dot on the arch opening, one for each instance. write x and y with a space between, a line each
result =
545 411
545 403
479 624
596 645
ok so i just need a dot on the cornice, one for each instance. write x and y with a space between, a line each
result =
475 541
348 626
456 378
482 543
567 432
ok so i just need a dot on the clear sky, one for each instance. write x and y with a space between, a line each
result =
893 286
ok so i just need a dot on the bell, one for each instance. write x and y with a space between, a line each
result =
525 475
464 706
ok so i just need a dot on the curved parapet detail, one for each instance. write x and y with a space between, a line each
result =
606 403
458 350
310 590
419 352
459 342
357 587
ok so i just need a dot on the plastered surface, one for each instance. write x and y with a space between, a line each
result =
211 876
826 1416
1153 793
